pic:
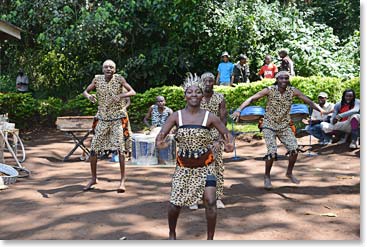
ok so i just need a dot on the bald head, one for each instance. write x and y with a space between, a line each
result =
161 101
109 62
109 68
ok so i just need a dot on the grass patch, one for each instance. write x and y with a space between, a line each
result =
243 127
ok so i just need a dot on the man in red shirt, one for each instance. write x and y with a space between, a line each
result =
268 70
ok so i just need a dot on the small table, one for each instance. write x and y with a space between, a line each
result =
76 124
79 141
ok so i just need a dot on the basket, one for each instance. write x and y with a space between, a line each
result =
12 174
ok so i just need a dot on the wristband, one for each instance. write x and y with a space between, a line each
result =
237 110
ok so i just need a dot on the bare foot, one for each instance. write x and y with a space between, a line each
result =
90 185
267 183
122 188
293 178
172 236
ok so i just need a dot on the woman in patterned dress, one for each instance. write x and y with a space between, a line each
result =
276 122
194 177
112 129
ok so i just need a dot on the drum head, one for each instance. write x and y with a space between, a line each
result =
252 113
299 112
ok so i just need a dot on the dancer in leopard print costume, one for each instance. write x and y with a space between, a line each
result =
276 122
216 104
194 177
112 129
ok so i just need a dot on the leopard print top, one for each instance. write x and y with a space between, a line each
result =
193 140
106 90
212 105
278 108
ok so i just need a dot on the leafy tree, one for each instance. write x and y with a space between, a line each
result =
155 42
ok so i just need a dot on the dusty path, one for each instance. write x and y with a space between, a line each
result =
51 205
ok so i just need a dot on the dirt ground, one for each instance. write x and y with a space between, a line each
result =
50 204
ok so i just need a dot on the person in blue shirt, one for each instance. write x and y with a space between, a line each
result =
225 70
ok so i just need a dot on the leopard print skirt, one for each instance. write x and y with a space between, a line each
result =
188 184
112 135
219 170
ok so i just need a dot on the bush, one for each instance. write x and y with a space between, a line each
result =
27 112
21 108
48 110
309 86
7 84
79 106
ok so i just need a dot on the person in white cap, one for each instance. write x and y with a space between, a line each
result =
225 71
314 124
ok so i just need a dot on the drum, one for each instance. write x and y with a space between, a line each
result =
299 112
143 150
167 156
252 114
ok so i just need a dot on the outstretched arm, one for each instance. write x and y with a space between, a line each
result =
171 121
247 102
307 100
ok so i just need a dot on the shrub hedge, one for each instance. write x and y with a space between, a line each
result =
28 112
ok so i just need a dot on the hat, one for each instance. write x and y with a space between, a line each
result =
225 54
242 56
322 94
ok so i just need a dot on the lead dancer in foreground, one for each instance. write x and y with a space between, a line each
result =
194 177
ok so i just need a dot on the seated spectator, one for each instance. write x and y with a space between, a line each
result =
346 118
314 124
225 70
158 113
241 71
268 70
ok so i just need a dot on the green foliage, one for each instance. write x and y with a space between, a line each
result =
21 108
155 43
334 13
28 112
7 85
48 110
79 106
309 86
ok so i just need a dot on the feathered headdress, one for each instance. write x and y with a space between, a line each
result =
192 80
